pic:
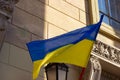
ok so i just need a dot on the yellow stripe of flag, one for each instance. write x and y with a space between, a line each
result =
77 54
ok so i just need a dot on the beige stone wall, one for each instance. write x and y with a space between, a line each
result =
33 20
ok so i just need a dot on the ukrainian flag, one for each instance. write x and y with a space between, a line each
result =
73 48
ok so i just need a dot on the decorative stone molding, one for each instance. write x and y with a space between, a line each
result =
95 73
93 70
6 10
6 7
106 51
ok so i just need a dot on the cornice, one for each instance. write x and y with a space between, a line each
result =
107 52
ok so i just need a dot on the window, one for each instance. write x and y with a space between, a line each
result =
110 8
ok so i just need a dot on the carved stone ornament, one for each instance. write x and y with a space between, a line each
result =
95 68
106 51
6 10
6 7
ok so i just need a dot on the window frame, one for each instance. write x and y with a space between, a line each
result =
105 29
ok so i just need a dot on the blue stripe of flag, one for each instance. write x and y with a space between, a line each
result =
38 49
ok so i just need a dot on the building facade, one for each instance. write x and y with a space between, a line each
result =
42 19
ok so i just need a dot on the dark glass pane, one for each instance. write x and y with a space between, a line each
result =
61 75
118 10
51 73
103 6
105 19
110 8
115 24
113 8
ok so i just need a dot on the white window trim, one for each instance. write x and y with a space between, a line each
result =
105 28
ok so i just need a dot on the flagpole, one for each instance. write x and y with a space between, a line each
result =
81 74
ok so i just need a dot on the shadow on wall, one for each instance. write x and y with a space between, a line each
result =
27 23
87 12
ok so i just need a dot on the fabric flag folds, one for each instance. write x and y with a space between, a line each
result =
73 48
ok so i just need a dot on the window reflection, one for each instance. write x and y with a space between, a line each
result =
105 19
110 8
103 8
